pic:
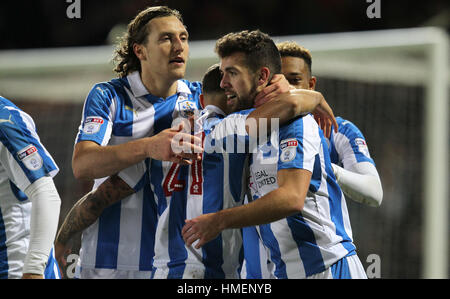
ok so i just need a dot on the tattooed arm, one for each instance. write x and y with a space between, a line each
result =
87 210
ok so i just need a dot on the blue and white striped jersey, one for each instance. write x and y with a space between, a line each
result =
348 146
116 112
256 264
23 160
215 183
308 242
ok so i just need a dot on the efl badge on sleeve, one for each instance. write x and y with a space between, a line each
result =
288 149
30 157
92 124
362 146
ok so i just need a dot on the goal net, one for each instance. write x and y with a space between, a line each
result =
392 84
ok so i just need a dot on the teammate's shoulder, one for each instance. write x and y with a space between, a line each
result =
346 126
6 106
13 119
342 122
4 102
5 113
112 84
105 90
194 87
302 120
304 124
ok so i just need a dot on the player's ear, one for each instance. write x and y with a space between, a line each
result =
139 51
312 83
264 76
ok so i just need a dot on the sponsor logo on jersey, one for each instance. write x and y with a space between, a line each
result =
92 124
288 149
30 157
263 178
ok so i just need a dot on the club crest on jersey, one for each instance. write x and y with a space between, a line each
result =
362 146
30 157
186 107
288 149
92 124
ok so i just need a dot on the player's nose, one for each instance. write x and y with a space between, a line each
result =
224 82
178 45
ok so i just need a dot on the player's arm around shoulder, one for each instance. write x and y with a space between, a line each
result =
293 103
282 101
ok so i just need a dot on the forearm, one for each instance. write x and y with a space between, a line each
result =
87 210
281 108
285 107
81 216
91 161
361 183
305 101
43 224
286 200
273 206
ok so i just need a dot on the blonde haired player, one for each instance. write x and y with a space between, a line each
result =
292 185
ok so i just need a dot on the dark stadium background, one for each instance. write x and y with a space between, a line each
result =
392 231
43 23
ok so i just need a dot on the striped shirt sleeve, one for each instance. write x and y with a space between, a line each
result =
350 145
23 156
98 112
299 143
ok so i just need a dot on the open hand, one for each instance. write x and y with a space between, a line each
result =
202 228
278 85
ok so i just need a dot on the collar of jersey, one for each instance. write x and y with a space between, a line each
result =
139 90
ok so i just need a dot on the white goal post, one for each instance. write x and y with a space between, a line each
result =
414 56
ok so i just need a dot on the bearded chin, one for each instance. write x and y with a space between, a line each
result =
248 101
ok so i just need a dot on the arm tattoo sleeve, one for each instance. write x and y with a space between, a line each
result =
87 209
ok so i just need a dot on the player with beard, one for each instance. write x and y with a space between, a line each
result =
291 186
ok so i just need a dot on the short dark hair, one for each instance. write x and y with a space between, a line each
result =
124 58
259 48
293 49
211 79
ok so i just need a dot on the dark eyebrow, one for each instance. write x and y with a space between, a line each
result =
230 68
295 74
